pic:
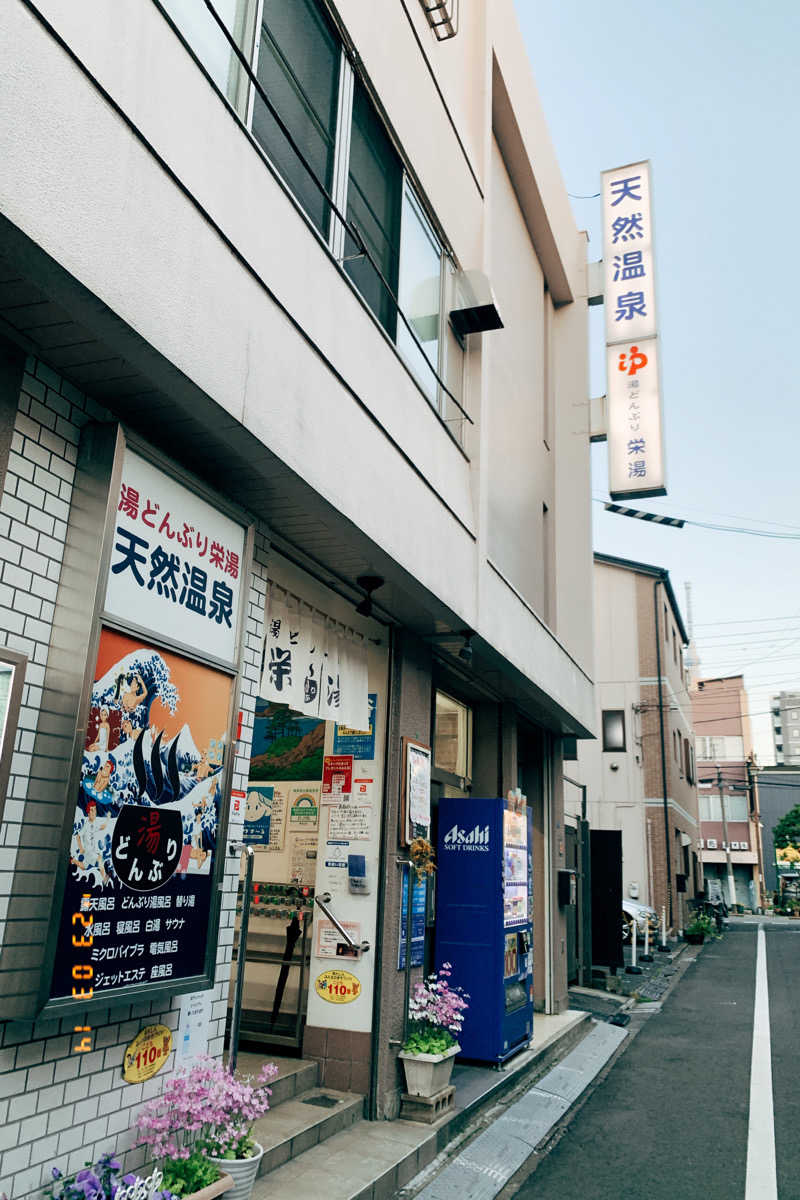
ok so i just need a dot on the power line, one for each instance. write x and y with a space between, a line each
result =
709 513
747 621
679 522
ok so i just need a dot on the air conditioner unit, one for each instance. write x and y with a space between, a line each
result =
711 843
734 845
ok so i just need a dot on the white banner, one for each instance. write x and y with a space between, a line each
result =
313 664
635 442
176 562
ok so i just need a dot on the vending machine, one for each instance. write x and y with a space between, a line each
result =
484 920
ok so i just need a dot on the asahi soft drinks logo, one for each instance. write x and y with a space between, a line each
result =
467 839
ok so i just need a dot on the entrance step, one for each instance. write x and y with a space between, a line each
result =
374 1160
295 1075
305 1121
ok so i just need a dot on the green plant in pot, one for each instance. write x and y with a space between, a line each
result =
436 1015
200 1130
700 928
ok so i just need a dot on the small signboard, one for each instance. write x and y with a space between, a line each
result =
147 1054
337 987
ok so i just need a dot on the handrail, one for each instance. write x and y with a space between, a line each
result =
238 995
323 901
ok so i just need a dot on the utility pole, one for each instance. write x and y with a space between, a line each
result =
755 809
728 863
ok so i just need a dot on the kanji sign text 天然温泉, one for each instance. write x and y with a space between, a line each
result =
176 562
635 449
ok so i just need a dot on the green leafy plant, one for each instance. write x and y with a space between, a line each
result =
704 924
183 1176
429 1041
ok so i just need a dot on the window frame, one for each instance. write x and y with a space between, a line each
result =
607 714
8 731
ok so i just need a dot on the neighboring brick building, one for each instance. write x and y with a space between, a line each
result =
640 772
730 837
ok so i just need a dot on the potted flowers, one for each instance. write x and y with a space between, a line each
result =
436 1014
199 1129
100 1181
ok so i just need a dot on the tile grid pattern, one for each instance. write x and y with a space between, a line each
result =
56 1106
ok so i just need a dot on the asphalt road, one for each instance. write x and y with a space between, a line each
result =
672 1118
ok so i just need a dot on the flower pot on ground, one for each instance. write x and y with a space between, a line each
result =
436 1015
222 1185
695 939
427 1074
243 1171
201 1126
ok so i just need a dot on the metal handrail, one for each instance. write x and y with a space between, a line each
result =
323 901
238 995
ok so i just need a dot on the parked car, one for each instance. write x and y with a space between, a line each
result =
642 914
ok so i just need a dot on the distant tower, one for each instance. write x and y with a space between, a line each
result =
691 658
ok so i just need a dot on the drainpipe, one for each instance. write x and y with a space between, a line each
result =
664 786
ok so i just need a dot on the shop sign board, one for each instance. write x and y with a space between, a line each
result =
176 562
337 987
147 1054
145 824
635 440
136 892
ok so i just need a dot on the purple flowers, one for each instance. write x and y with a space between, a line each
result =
96 1181
435 1003
205 1108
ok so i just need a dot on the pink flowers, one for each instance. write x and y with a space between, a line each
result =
435 1003
205 1108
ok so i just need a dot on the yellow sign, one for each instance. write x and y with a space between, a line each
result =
147 1054
338 987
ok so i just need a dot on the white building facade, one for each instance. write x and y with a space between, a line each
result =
324 278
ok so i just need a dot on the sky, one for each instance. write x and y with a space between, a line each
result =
708 93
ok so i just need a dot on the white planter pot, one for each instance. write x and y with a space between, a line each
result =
427 1074
243 1171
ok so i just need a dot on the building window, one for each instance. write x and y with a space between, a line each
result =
210 45
737 807
342 143
452 738
374 198
613 729
299 64
12 679
687 760
420 287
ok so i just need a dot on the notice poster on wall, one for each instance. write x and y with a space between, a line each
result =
138 887
349 823
360 743
329 937
417 922
303 800
337 778
265 816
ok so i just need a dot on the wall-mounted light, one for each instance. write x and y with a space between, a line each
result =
465 653
368 584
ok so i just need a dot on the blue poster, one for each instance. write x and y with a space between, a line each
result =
258 814
417 922
358 742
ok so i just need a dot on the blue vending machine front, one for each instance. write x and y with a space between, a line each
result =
483 920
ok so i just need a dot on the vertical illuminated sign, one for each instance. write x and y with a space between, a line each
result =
635 439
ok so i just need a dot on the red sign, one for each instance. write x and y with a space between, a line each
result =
337 775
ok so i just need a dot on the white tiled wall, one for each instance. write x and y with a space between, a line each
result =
58 1107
